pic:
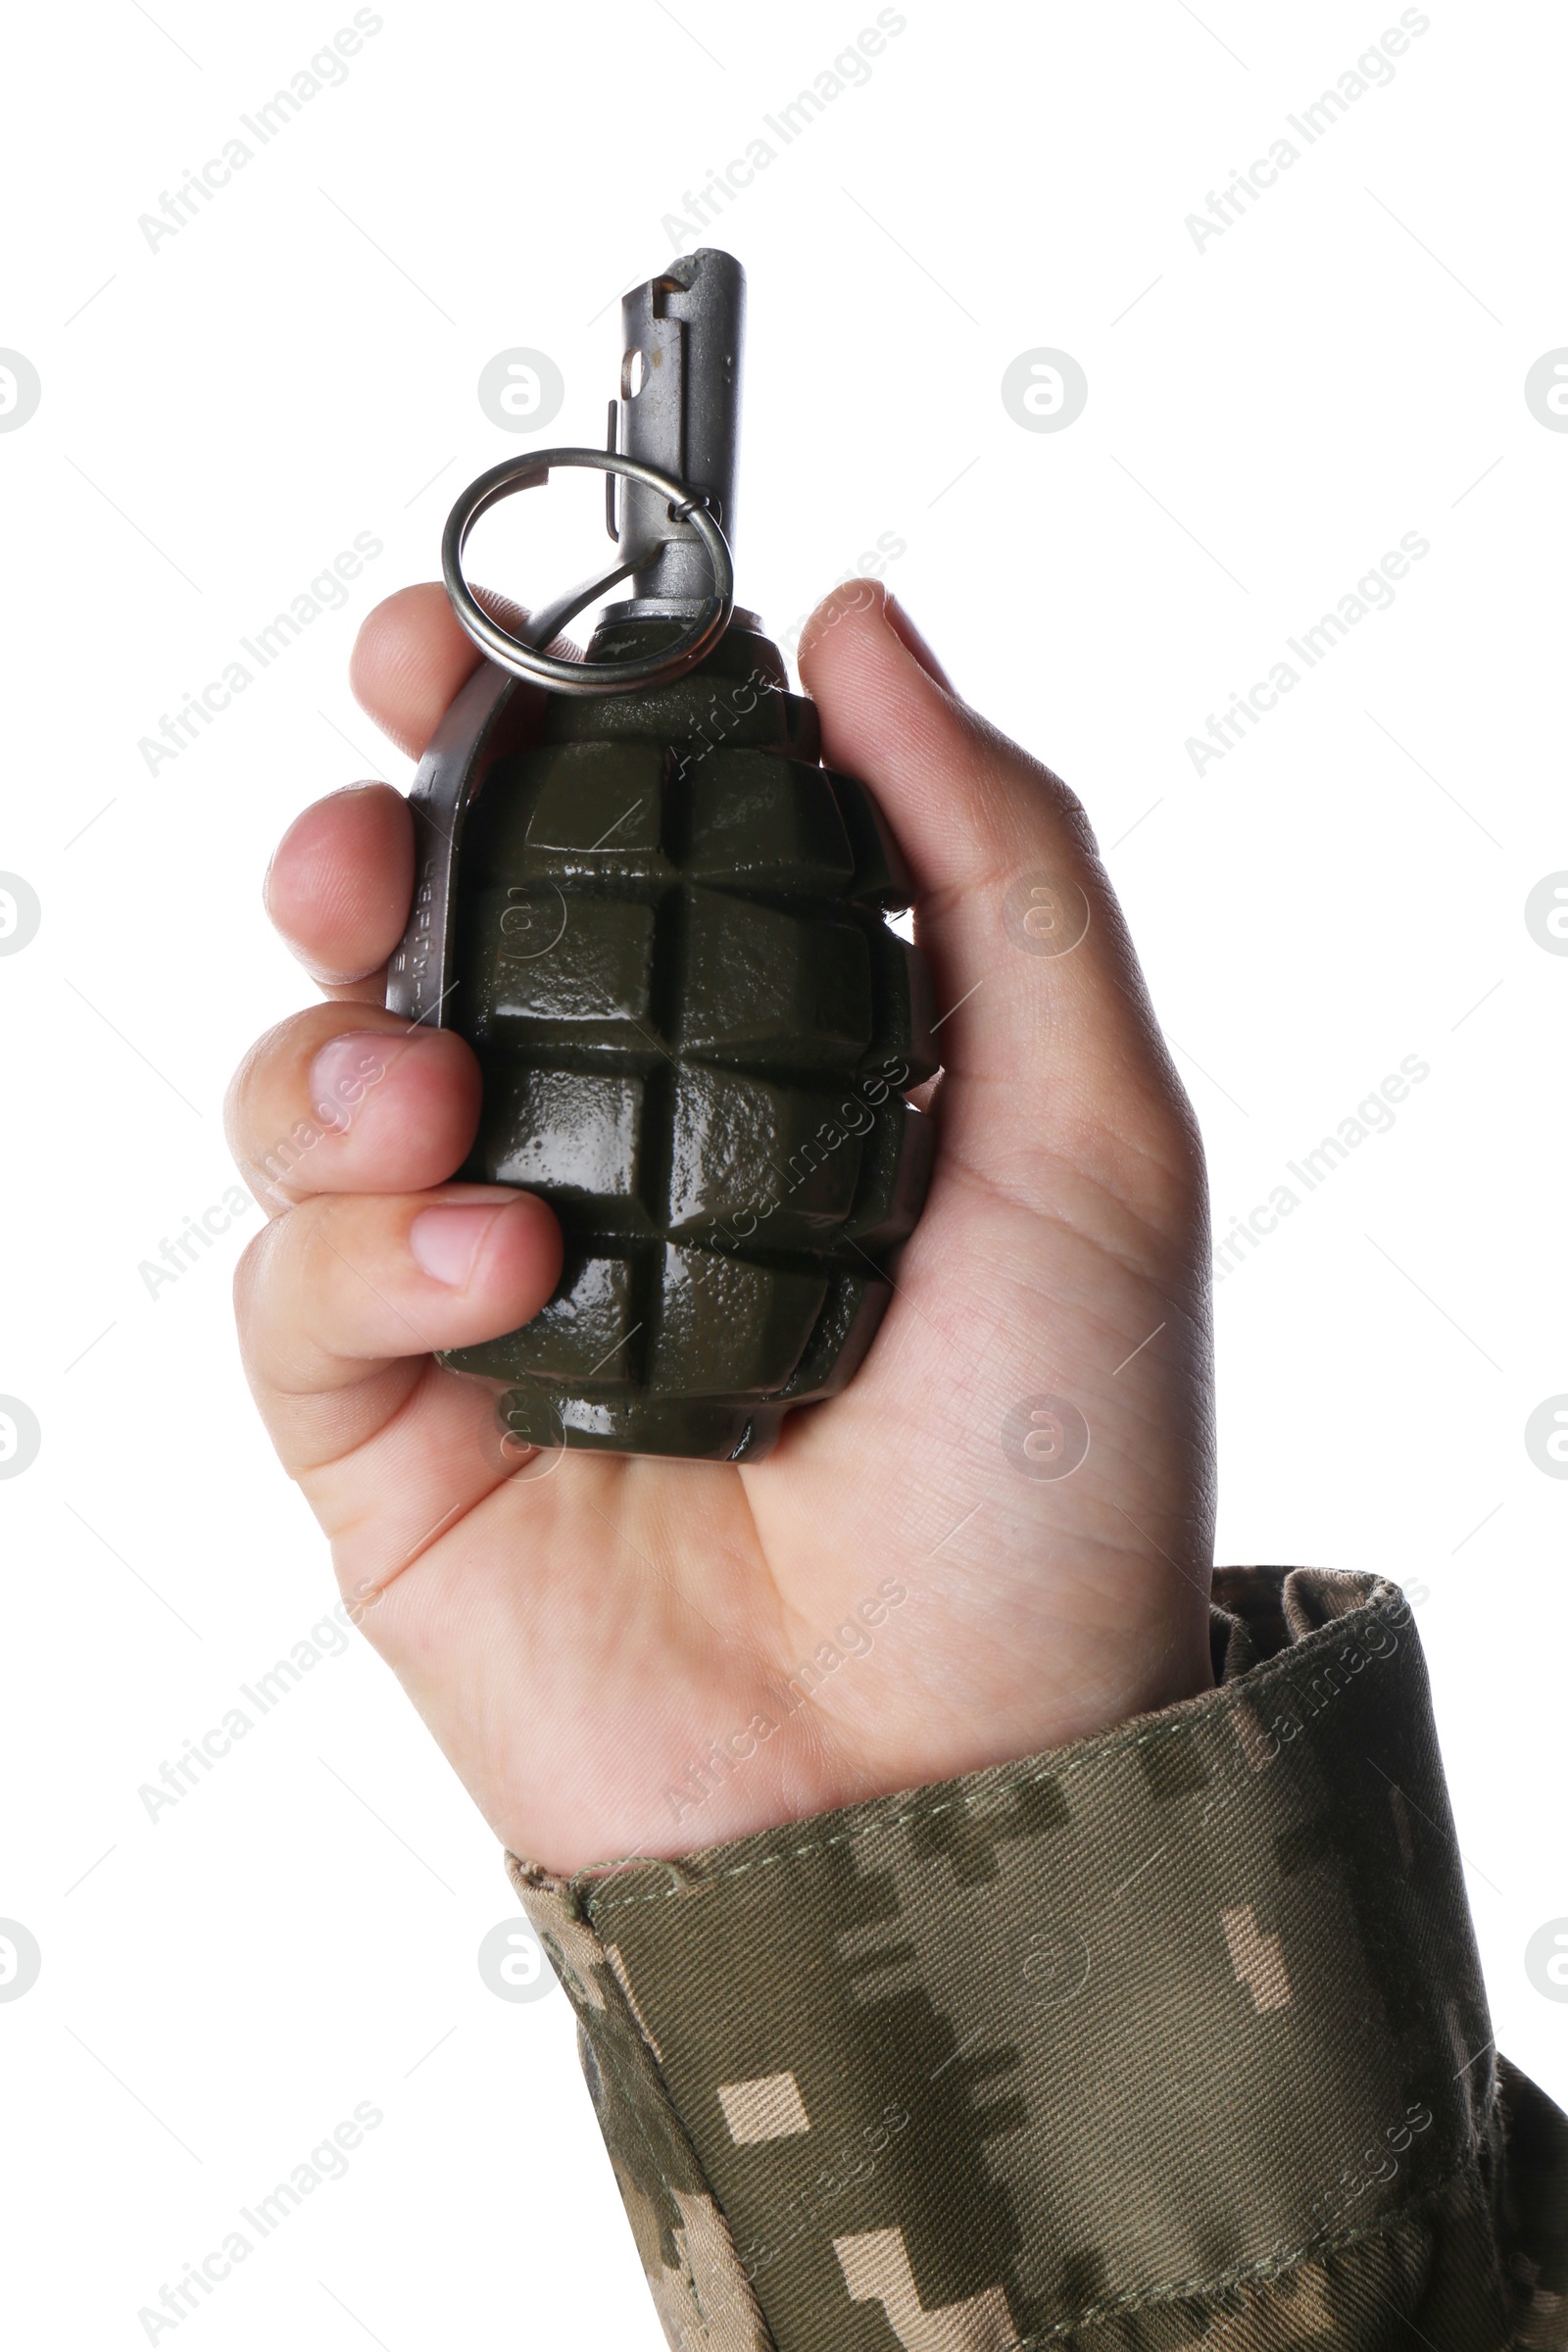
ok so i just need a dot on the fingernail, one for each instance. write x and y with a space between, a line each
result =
346 1069
446 1241
905 629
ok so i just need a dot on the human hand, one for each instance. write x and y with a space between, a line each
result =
605 1645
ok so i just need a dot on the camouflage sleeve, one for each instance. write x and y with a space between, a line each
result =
1176 2036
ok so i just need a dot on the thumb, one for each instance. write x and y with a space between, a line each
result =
1048 1039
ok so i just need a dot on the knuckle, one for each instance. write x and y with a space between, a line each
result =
1176 1140
263 1060
253 1271
316 1259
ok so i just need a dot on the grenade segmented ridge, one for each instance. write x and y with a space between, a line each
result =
695 1027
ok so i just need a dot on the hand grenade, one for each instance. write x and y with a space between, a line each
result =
661 923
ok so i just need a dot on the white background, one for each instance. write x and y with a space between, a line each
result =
1266 415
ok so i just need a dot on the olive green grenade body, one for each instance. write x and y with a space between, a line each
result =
696 1029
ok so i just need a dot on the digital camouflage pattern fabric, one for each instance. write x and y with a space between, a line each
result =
1173 2038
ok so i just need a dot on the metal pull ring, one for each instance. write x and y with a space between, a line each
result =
524 656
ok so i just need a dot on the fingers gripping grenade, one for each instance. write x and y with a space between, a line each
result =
660 923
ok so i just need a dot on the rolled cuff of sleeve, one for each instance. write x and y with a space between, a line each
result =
1174 2035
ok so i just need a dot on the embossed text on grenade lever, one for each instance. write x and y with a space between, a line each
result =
660 923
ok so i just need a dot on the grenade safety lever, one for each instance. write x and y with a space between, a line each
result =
660 923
